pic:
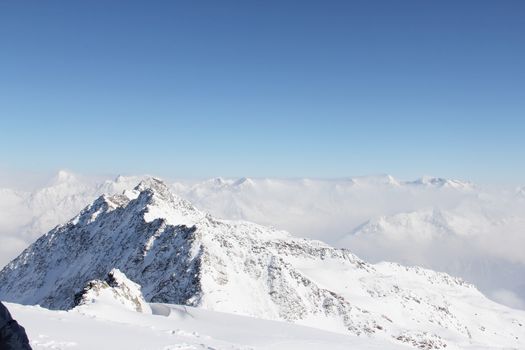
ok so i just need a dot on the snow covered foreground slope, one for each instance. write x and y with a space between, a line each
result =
107 317
174 327
181 255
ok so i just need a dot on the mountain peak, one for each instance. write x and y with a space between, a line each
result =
161 203
153 184
64 176
243 181
440 182
375 180
152 199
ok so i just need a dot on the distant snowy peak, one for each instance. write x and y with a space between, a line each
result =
386 180
375 180
67 183
438 182
423 225
219 183
420 225
118 184
64 176
243 182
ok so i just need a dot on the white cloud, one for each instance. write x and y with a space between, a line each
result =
10 247
507 297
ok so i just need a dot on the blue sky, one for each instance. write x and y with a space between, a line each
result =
264 88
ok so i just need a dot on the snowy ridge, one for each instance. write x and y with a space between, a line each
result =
115 289
420 225
439 182
180 255
448 241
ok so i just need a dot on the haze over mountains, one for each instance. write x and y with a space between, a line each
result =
447 225
150 245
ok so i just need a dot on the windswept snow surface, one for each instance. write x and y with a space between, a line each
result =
443 224
175 327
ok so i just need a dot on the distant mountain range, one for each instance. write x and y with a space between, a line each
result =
443 224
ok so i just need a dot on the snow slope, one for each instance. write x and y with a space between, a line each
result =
106 318
181 255
175 328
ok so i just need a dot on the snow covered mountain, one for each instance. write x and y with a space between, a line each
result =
483 245
439 182
450 241
26 214
181 255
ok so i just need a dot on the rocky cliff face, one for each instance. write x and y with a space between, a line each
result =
181 255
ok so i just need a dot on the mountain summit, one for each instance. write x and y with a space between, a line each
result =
181 255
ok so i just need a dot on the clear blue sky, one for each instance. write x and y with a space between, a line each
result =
264 88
